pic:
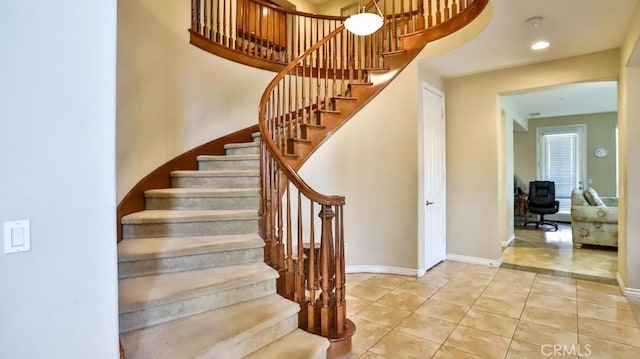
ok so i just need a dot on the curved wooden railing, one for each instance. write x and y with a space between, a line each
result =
265 35
307 251
326 74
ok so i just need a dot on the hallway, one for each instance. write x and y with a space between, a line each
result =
548 252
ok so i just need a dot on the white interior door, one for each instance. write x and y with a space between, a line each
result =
434 177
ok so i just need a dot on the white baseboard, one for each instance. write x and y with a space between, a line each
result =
634 292
508 241
385 270
475 260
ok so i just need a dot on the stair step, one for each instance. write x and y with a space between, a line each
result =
216 179
202 198
229 162
146 256
166 223
297 345
230 332
245 148
154 299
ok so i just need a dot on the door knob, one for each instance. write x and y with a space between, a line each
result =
429 203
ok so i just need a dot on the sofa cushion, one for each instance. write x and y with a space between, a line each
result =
593 198
577 198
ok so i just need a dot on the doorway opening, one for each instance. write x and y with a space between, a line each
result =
555 134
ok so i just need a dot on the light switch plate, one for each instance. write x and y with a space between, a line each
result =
17 236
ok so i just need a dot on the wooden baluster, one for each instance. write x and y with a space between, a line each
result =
310 83
279 238
350 38
403 20
297 96
289 277
194 15
300 278
412 18
296 50
336 63
245 25
446 10
292 118
228 31
340 302
207 29
260 35
361 51
218 29
454 8
268 234
270 39
261 206
327 269
318 79
394 26
430 11
311 313
199 16
367 55
344 37
225 38
279 134
438 13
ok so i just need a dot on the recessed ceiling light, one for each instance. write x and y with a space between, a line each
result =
540 45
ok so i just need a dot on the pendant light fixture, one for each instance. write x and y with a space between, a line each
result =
364 23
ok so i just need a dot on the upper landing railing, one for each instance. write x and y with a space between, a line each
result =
275 35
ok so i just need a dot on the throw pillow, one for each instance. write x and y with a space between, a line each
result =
593 198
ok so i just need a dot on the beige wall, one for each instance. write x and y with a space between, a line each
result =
629 131
384 212
600 133
511 119
372 161
473 151
172 96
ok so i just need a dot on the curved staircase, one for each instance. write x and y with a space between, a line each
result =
193 282
236 256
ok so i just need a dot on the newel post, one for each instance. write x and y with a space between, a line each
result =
327 273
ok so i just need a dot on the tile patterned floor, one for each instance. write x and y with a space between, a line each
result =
460 310
554 252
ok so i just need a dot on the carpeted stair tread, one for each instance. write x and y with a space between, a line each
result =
228 157
153 290
182 216
216 173
295 345
241 145
165 247
215 334
202 192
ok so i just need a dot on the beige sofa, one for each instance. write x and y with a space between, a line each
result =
594 219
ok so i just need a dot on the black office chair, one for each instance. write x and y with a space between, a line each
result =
542 200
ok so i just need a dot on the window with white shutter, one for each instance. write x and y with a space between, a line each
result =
561 159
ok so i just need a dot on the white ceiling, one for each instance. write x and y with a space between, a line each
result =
571 99
573 27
